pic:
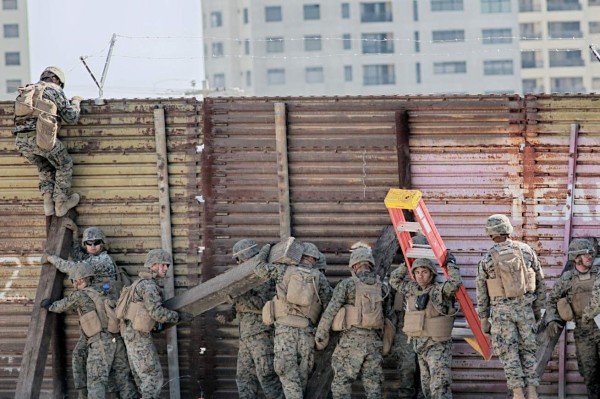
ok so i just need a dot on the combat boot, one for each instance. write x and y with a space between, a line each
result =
48 204
532 392
518 393
62 207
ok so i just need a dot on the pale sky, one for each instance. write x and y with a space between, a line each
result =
157 53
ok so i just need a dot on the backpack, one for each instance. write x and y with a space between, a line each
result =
125 299
105 309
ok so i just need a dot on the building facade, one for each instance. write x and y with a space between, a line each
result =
14 47
272 47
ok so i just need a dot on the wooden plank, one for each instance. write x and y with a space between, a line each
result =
283 183
42 322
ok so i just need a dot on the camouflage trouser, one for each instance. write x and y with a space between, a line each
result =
406 358
79 362
144 362
587 344
55 168
107 357
513 339
294 358
435 363
255 366
359 351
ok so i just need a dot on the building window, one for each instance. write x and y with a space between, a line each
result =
595 84
379 75
563 5
219 81
418 72
415 8
447 5
496 36
216 19
417 42
12 85
274 44
530 31
312 12
441 36
345 10
275 76
347 73
532 86
376 12
313 75
530 5
593 2
594 27
498 67
9 4
12 58
245 17
451 67
377 43
495 6
248 78
567 85
11 31
565 58
247 46
532 59
273 14
217 49
564 30
347 41
312 43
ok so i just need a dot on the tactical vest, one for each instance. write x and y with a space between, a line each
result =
429 322
101 319
399 305
135 312
31 107
297 301
513 277
367 311
581 292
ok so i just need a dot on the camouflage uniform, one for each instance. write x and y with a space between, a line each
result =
513 319
141 351
255 354
435 357
586 333
106 352
55 167
359 350
294 347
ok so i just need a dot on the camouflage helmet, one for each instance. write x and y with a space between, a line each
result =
244 249
82 270
91 234
158 256
54 71
311 249
498 225
420 239
361 252
580 246
423 262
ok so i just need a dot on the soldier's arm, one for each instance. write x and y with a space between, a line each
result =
65 304
593 308
325 290
483 297
540 287
77 253
398 278
65 266
337 301
560 290
269 271
69 112
454 282
153 303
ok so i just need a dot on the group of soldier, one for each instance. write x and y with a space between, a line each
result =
410 313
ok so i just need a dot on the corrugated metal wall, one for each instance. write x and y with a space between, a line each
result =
113 150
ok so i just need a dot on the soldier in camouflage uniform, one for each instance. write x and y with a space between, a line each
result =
359 299
574 290
107 356
511 295
429 319
295 323
255 354
55 167
145 310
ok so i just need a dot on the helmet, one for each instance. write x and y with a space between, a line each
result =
498 225
158 256
54 71
423 262
580 246
244 249
91 234
361 252
82 270
311 249
420 239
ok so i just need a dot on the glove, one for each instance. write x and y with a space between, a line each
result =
554 328
486 326
46 303
77 99
185 317
52 259
263 254
321 340
221 318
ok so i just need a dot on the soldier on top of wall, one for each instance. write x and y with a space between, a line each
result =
255 354
38 111
510 298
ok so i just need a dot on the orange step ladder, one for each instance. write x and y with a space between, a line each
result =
398 200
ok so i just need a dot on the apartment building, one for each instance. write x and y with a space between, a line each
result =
14 47
353 47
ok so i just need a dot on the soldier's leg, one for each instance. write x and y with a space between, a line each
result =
79 363
588 358
346 361
121 372
528 346
144 361
100 358
425 376
286 362
262 353
245 376
505 341
372 372
62 161
439 358
406 365
30 151
306 350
